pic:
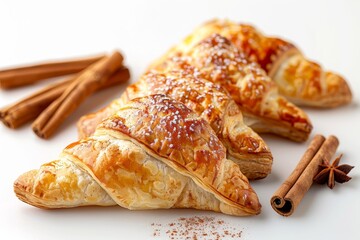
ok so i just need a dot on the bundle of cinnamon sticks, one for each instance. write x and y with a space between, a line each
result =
289 195
50 106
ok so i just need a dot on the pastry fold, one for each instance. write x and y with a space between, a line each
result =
216 59
212 103
300 80
136 160
207 100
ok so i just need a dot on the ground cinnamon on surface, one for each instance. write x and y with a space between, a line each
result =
196 228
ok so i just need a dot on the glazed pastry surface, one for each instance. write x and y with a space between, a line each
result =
207 100
219 61
300 80
212 103
136 160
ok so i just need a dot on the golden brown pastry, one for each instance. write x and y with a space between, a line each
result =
216 59
137 161
208 101
301 81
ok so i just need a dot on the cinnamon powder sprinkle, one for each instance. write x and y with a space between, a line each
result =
196 228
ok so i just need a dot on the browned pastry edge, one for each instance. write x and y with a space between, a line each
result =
23 191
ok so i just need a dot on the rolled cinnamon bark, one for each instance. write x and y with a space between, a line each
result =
85 84
286 199
22 76
27 109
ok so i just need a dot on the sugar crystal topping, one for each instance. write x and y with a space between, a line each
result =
171 130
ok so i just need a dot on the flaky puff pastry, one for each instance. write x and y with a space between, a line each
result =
136 160
207 100
300 80
216 59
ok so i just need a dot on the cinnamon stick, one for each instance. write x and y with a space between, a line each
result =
22 76
83 86
29 108
286 199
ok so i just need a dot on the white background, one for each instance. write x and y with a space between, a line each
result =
31 31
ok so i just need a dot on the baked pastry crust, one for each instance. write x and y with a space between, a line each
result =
218 60
300 80
212 103
137 161
207 100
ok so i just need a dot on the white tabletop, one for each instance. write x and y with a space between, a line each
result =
32 31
